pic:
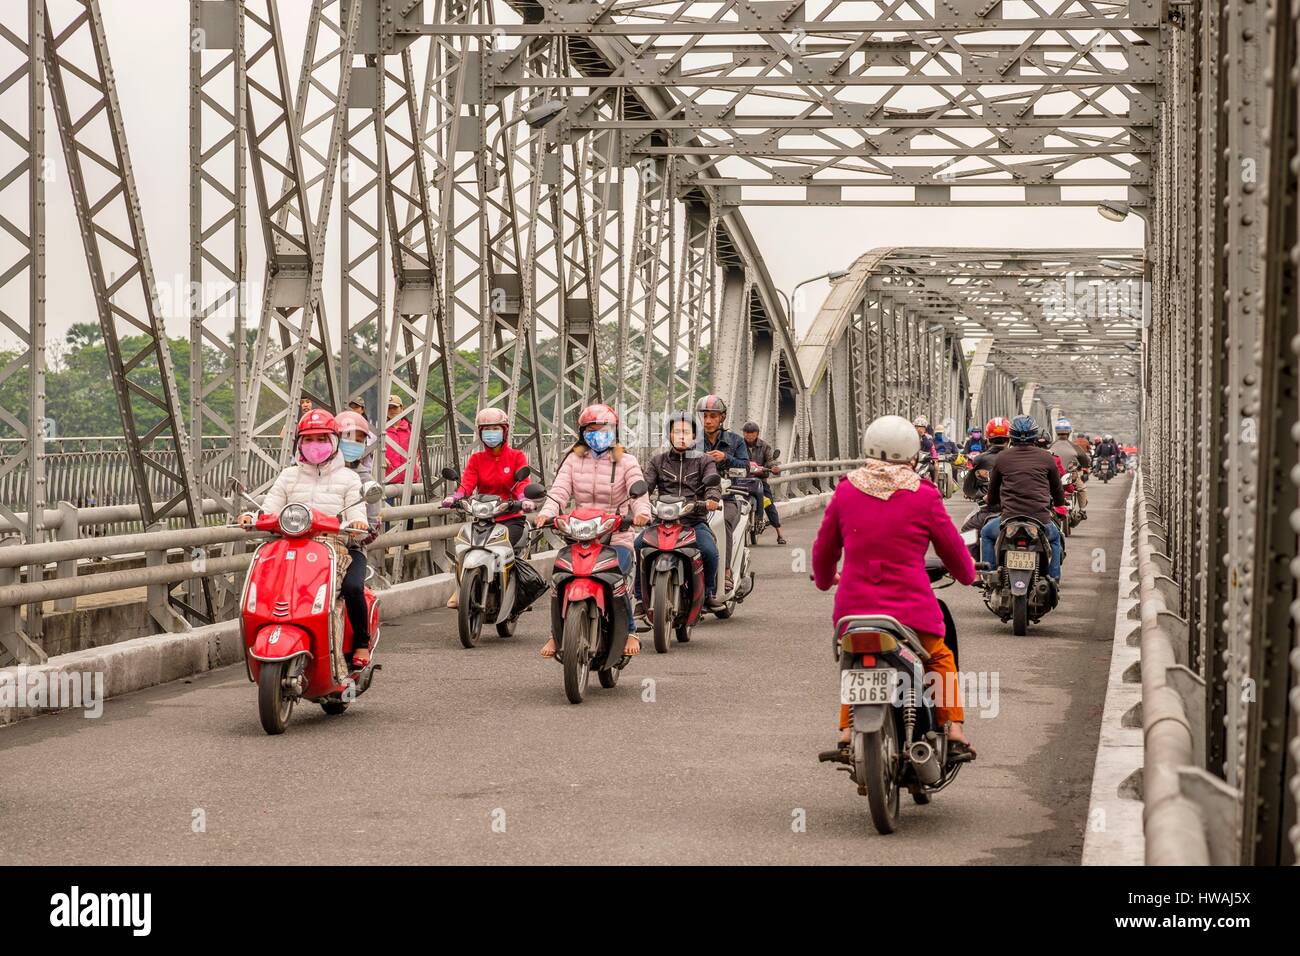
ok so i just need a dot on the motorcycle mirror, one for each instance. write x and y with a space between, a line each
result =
534 491
372 492
776 453
638 489
451 474
523 473
713 480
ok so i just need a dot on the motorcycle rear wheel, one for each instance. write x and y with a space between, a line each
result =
875 755
274 706
578 625
661 613
1020 615
469 619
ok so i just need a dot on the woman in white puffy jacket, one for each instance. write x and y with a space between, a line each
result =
322 480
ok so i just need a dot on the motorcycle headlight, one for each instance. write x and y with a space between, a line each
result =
736 473
483 509
669 511
584 530
295 519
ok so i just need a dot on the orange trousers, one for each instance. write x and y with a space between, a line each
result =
941 662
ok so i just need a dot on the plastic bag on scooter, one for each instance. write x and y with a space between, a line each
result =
529 585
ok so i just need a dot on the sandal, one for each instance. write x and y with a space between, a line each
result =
959 751
551 645
633 646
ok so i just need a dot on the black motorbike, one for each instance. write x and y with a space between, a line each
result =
1019 588
896 742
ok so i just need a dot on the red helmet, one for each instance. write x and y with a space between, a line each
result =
597 415
318 422
997 427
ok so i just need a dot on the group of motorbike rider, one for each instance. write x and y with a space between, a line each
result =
881 534
599 472
883 517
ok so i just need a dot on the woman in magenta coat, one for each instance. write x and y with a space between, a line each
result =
882 518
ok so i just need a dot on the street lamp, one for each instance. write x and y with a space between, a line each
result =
1113 209
832 276
538 117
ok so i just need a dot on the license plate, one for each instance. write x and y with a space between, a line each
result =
867 687
1022 560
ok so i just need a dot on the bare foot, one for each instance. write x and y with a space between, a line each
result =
957 735
454 600
844 736
548 649
633 646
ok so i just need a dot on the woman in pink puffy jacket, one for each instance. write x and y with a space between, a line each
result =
597 473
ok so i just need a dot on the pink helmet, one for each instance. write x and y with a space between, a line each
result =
492 417
597 415
352 421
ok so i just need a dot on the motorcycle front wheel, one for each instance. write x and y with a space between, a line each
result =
875 759
661 612
576 648
274 706
469 617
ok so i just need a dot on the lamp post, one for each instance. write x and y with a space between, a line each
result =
789 299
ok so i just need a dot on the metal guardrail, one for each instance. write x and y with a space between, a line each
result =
1187 812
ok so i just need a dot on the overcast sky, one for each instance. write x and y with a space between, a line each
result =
150 62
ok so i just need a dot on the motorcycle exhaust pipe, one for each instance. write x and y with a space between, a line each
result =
926 763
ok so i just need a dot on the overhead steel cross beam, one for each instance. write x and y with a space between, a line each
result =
869 94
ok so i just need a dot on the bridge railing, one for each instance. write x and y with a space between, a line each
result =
1187 813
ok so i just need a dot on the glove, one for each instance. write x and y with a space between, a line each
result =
527 505
449 501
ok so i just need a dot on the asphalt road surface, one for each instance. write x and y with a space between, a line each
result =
704 755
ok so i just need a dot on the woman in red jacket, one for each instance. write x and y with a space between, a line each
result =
492 472
883 518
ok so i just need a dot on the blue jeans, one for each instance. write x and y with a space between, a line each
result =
989 541
708 553
625 564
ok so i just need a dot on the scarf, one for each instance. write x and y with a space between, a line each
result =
880 479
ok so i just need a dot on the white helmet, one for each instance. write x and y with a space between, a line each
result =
921 421
892 438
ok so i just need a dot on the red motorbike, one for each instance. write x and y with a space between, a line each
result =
588 608
296 637
672 569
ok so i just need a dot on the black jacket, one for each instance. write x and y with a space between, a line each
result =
682 474
760 453
1024 481
983 462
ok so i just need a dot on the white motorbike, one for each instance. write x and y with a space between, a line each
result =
486 573
735 487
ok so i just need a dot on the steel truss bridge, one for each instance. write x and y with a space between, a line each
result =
539 204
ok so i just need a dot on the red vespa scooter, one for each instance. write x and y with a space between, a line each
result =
672 569
296 637
588 609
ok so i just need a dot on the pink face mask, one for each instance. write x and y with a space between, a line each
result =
315 452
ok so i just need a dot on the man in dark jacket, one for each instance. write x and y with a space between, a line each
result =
761 454
681 471
976 484
1024 482
727 449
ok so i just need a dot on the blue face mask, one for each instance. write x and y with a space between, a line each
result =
492 437
598 441
351 450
